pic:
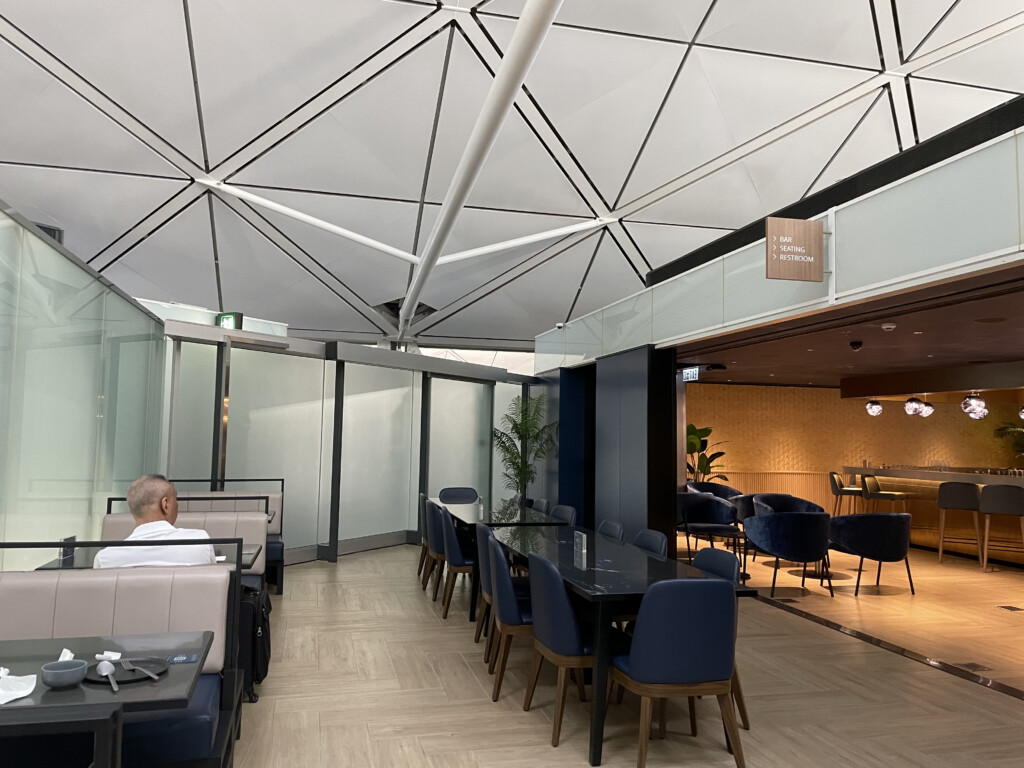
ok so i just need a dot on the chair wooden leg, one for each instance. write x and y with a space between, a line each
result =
737 696
438 575
729 721
662 705
803 577
984 546
423 559
910 578
646 712
426 573
481 612
495 645
775 575
691 705
506 646
878 578
581 687
942 529
560 695
538 660
860 570
835 505
977 534
449 590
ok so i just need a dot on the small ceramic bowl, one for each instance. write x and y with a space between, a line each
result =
63 674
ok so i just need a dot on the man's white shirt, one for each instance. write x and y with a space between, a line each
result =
192 554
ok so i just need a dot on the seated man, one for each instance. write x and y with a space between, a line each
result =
153 502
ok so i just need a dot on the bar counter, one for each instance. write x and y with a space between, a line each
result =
921 484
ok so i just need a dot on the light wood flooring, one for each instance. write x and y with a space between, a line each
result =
365 673
954 617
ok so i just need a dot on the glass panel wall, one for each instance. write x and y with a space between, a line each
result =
192 414
460 435
503 396
81 386
380 451
275 429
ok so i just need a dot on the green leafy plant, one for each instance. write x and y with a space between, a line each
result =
699 463
524 439
1015 434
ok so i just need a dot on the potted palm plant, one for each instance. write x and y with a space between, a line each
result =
523 439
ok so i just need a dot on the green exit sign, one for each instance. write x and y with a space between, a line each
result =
230 320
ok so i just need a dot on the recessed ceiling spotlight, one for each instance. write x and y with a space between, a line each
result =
918 333
888 327
873 407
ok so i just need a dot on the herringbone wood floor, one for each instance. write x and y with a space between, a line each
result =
365 673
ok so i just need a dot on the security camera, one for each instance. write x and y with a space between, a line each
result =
856 345
559 325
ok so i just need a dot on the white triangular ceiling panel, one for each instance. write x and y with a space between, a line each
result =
374 142
662 243
175 263
152 48
840 33
940 106
52 125
610 278
724 99
671 20
260 60
476 228
872 141
601 92
375 276
286 292
967 17
519 173
527 306
998 64
93 209
726 199
916 18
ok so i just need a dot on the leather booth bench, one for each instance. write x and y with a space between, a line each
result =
119 601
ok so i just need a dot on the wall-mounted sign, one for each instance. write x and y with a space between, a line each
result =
793 250
692 373
230 320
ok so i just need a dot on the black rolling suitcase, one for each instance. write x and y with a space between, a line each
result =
254 638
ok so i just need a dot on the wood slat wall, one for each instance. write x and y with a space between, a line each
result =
812 486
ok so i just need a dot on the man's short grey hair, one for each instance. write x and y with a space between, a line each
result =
147 492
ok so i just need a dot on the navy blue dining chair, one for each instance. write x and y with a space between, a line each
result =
701 514
485 616
435 546
540 505
800 537
458 495
786 502
512 616
612 529
564 513
458 557
556 637
723 565
884 537
684 644
422 517
654 542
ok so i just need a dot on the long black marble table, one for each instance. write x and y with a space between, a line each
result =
506 514
613 577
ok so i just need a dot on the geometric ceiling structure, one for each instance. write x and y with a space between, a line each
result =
294 166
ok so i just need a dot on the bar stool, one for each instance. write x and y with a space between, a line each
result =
841 491
965 496
1000 500
872 491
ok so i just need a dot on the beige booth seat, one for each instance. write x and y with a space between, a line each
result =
250 527
231 501
117 601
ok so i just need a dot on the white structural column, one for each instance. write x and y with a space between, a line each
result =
529 34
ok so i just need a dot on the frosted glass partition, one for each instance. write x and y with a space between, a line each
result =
275 429
584 339
460 435
192 416
380 451
81 371
692 302
503 396
627 323
549 350
748 294
962 210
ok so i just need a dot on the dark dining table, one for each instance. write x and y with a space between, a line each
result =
96 707
611 576
504 514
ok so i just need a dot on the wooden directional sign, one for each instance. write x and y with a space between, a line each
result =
793 250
